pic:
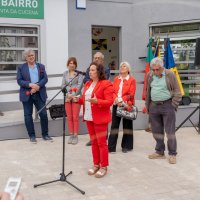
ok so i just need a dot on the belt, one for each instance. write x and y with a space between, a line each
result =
161 102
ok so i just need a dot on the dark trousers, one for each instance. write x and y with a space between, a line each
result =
36 100
163 119
127 139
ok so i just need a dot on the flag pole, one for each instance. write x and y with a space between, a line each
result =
157 46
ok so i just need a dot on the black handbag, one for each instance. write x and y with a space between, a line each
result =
124 113
57 111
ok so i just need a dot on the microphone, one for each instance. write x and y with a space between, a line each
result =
80 72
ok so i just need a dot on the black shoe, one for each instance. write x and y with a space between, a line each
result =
33 140
88 143
112 151
124 150
47 138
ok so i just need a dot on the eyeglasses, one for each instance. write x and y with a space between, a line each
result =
97 58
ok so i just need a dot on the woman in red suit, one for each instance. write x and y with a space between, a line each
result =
96 99
124 93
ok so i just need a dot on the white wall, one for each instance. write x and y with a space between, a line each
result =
56 20
54 44
98 13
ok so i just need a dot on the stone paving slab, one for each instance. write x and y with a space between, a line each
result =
130 176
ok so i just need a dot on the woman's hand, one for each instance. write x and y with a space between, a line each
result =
119 104
93 100
68 100
75 98
69 96
116 101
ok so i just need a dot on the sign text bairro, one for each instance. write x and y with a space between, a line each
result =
31 9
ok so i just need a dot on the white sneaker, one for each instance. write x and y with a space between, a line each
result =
75 139
70 139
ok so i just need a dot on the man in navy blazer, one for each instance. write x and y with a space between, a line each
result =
32 77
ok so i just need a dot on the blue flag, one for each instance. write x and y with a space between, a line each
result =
168 56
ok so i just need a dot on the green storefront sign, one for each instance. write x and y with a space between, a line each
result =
31 9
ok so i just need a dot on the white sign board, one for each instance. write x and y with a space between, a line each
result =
81 4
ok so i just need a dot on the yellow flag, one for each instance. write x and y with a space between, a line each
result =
174 69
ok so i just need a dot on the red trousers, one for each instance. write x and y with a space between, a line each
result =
98 134
72 110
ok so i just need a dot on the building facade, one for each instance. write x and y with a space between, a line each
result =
119 28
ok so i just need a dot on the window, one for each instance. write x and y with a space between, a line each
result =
13 41
183 43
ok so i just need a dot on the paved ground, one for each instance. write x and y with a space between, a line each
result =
130 176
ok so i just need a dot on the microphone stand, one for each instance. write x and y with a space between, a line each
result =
63 176
197 127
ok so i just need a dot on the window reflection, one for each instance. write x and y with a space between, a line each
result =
183 52
13 41
10 67
27 42
24 30
183 43
8 56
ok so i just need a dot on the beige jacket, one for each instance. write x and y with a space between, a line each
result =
172 85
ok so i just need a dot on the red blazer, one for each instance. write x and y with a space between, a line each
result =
104 94
128 89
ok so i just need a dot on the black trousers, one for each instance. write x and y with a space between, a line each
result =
127 139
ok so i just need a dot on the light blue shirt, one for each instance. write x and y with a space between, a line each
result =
159 90
34 74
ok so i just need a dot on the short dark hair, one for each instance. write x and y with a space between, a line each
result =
100 70
73 59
